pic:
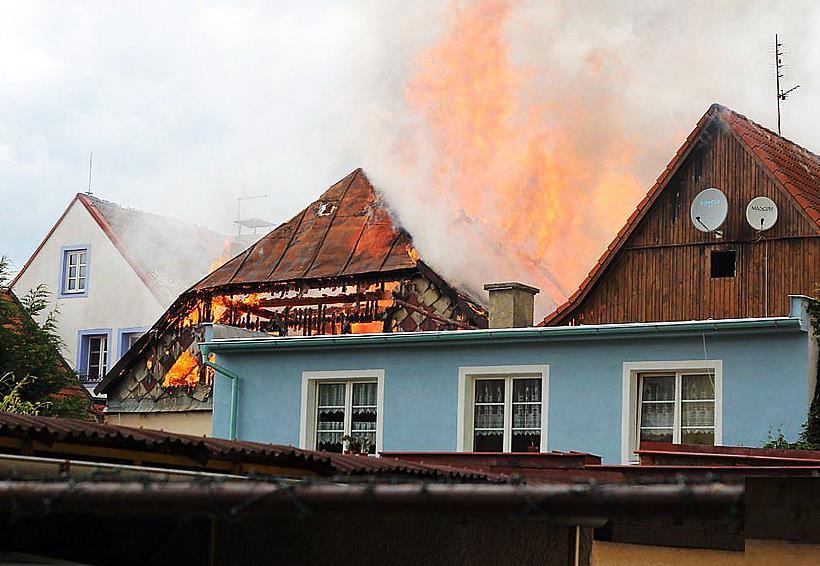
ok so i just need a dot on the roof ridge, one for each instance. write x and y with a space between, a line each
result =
745 118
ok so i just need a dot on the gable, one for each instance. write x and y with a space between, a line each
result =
346 232
721 152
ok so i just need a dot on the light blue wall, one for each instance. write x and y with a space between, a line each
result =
764 386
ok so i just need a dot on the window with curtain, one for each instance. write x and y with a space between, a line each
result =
507 414
678 407
346 408
75 271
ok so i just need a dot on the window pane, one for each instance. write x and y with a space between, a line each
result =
82 271
81 283
82 256
698 414
329 441
331 395
656 435
489 416
526 416
366 439
72 284
72 272
657 414
526 440
488 441
489 391
698 436
526 390
658 388
72 259
364 394
697 387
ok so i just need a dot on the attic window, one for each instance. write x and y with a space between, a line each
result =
723 263
326 208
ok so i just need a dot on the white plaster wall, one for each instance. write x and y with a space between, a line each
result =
117 297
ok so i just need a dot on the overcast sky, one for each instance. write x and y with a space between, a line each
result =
189 105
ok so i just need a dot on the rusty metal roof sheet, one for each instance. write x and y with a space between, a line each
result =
346 231
50 430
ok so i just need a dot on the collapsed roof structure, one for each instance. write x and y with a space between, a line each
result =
340 266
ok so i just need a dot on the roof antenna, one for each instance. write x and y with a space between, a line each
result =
778 67
90 163
239 211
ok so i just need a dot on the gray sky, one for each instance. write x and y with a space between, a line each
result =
189 105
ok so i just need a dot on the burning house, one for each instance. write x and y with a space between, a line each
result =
340 266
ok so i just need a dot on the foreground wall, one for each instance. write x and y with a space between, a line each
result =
197 423
764 385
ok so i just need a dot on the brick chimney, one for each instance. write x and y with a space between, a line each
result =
511 304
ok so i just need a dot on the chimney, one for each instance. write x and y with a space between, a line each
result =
511 304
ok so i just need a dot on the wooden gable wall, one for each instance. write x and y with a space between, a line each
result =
663 270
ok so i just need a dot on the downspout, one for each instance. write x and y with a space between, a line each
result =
234 379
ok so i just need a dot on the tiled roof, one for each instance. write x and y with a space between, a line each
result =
168 254
795 169
49 430
346 232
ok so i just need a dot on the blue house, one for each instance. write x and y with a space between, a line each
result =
592 388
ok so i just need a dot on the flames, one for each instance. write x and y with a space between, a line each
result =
185 371
511 158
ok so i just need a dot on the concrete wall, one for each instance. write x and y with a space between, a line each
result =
764 386
117 298
197 423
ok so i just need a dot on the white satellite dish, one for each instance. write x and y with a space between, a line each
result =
761 214
709 210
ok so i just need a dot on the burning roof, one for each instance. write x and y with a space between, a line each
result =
340 266
346 232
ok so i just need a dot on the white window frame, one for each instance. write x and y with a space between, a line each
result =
310 382
631 396
467 377
102 356
80 252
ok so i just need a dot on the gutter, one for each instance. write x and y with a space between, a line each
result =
234 379
529 334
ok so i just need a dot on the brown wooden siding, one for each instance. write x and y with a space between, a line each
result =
663 271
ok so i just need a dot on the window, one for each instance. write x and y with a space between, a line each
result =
503 409
677 408
343 409
129 337
339 404
677 402
74 273
723 263
92 358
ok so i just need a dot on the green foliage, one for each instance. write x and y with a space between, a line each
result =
12 402
30 360
811 430
778 441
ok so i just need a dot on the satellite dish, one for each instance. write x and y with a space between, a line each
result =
761 214
709 210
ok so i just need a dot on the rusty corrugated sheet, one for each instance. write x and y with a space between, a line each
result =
49 430
345 232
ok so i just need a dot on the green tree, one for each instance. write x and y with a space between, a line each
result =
32 367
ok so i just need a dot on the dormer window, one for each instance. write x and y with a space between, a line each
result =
74 278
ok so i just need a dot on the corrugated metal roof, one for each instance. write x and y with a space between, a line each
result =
50 430
346 231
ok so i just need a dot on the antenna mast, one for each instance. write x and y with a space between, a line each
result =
90 163
778 67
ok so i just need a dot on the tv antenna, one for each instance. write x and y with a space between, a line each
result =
239 210
778 68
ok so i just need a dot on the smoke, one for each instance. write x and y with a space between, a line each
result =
188 105
525 133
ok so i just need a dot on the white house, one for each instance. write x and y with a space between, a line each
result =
112 271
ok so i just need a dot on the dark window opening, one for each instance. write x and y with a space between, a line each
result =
723 263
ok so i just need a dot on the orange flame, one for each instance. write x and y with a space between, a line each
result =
517 166
185 371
